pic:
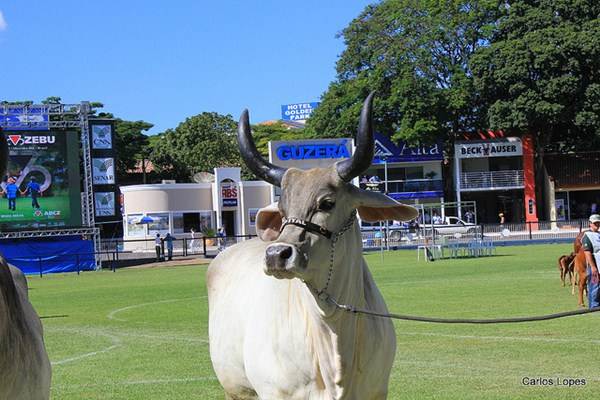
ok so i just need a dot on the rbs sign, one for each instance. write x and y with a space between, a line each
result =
229 194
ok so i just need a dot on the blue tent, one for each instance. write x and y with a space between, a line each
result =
146 220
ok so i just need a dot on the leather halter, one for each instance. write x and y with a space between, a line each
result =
307 225
312 227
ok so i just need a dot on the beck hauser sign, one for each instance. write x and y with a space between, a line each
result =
498 148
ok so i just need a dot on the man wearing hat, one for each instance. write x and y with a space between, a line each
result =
591 248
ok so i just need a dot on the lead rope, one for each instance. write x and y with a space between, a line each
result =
354 310
323 295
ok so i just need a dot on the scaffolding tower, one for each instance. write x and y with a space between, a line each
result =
58 116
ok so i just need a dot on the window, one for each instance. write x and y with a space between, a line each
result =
197 220
159 224
207 220
134 228
252 212
395 173
414 173
178 223
190 220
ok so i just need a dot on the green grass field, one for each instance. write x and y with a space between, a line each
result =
142 333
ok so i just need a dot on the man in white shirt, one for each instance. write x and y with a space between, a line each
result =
591 248
158 246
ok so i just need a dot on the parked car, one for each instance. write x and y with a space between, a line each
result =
454 226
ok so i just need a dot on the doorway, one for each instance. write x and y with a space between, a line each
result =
228 221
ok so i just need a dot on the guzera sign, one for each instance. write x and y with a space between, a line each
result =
505 148
312 151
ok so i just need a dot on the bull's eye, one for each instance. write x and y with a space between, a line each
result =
326 205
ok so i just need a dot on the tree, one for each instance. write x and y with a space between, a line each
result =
264 133
541 73
52 100
131 145
415 55
200 143
13 103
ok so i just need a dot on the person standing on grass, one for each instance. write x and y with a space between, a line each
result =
169 241
591 247
157 246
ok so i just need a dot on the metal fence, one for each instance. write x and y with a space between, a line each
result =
115 253
394 237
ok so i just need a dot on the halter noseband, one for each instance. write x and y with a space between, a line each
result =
318 229
307 225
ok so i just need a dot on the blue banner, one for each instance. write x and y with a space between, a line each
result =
386 150
416 195
298 111
307 151
25 118
48 255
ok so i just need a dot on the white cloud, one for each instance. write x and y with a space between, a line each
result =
2 22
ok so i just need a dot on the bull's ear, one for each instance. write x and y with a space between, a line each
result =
374 206
268 223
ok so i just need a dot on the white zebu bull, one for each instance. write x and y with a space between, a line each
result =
273 334
24 366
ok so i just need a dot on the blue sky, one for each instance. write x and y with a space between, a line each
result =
162 61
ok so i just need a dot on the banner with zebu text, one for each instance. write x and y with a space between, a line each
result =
41 186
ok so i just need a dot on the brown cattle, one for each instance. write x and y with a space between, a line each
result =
565 266
579 270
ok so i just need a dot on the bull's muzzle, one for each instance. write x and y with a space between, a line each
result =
281 259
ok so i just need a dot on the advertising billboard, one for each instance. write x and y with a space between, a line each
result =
103 171
388 151
299 112
507 147
104 181
101 136
32 118
41 186
105 204
229 193
309 153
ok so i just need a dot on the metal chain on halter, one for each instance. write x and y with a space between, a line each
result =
322 293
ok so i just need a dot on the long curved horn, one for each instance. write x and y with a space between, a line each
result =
363 156
263 169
